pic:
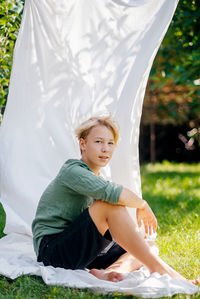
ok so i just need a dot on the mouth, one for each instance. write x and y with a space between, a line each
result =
104 158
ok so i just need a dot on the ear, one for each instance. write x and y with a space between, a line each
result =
82 144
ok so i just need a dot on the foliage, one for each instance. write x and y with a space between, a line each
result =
10 19
173 94
173 191
174 85
2 220
179 55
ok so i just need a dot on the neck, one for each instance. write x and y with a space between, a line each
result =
94 169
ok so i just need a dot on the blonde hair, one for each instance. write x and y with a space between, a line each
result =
108 121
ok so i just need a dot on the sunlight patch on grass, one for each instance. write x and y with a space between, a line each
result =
167 166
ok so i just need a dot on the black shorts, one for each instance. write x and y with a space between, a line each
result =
79 246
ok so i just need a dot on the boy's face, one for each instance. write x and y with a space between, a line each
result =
97 148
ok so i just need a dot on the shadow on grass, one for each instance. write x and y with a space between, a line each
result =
171 174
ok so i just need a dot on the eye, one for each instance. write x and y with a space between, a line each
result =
111 143
98 141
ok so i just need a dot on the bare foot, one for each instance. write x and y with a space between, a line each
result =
195 281
163 268
107 275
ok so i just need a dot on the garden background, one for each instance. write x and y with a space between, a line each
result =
170 130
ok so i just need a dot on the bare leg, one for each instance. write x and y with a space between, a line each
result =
128 263
124 231
125 264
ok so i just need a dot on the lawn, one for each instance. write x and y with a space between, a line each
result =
173 191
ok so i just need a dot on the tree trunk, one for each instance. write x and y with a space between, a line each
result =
152 131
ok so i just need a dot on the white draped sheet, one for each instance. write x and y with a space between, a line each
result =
74 59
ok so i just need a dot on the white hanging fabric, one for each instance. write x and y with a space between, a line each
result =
74 59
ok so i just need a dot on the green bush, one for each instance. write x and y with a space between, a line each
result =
10 19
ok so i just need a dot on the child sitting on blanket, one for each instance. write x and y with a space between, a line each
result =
80 213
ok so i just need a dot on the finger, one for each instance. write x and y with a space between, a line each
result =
154 226
138 218
146 226
139 221
147 229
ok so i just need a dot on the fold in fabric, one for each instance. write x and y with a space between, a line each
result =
17 258
74 59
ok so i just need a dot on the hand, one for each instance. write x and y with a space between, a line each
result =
147 216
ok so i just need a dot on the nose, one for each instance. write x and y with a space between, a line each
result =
105 148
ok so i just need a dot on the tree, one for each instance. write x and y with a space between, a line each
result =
173 93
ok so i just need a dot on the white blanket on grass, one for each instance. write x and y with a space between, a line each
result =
17 258
74 59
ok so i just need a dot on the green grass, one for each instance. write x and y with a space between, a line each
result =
173 191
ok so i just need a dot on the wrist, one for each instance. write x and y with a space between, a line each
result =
143 204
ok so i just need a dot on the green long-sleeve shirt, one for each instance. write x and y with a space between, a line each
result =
73 190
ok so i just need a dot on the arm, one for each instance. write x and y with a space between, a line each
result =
130 199
80 179
144 212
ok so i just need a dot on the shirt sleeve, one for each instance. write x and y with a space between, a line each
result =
83 181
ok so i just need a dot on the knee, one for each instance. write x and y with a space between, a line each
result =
105 208
101 205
